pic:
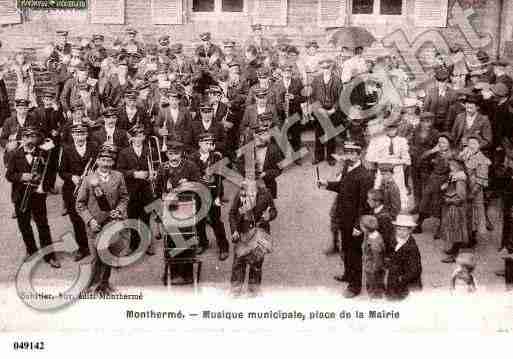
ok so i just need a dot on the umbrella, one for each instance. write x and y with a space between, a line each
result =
352 37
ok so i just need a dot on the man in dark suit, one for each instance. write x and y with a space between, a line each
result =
129 114
207 123
263 86
75 157
20 173
405 267
472 123
214 98
288 103
439 98
110 132
174 121
260 107
205 157
268 156
326 89
354 184
133 164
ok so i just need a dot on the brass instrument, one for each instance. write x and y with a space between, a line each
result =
89 169
164 145
286 105
154 164
38 172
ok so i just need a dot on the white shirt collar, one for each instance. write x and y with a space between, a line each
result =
400 244
378 209
356 164
206 125
81 149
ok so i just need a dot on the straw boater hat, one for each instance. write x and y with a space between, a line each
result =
404 220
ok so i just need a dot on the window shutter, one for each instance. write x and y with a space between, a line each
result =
271 12
431 13
332 13
107 11
167 12
9 13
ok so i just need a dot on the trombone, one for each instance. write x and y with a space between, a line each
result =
89 169
154 164
38 177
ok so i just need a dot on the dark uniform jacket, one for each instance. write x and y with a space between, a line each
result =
405 271
181 130
5 110
74 165
213 182
128 163
250 117
114 92
120 137
140 116
70 97
295 88
352 196
172 176
49 120
215 127
17 166
243 223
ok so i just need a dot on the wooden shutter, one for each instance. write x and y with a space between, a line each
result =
431 13
167 12
332 13
271 12
107 11
9 13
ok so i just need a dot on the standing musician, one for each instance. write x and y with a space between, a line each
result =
96 54
207 57
27 171
326 89
207 123
251 66
129 114
174 121
101 200
173 176
229 55
190 99
78 158
180 65
263 85
261 107
58 60
288 103
205 157
110 132
133 163
118 84
81 90
132 46
258 40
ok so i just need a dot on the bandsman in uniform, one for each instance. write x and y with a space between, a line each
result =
207 123
164 44
174 121
102 200
173 176
258 40
264 84
190 99
261 107
96 54
133 163
20 173
58 60
251 65
208 60
118 84
204 158
75 157
229 55
181 65
110 133
132 46
129 114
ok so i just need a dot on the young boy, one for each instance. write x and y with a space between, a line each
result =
373 249
391 194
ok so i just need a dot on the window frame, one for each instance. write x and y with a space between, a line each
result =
218 11
376 17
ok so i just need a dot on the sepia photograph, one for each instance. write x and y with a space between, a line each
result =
218 167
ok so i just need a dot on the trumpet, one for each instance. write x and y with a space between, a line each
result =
38 177
89 169
154 164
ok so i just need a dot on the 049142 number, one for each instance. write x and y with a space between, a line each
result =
29 345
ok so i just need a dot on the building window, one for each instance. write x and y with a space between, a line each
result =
363 7
377 7
217 6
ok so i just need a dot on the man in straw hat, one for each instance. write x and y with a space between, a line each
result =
405 267
352 187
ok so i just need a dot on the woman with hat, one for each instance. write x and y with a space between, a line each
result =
453 222
476 164
405 266
424 138
437 159
102 199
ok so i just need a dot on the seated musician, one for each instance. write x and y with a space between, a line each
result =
29 191
204 158
102 200
172 178
76 156
207 123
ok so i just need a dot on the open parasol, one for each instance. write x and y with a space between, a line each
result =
352 37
